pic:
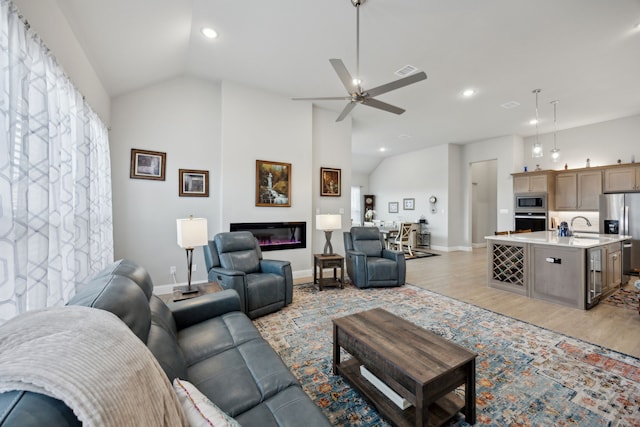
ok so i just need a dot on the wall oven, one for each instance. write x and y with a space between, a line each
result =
534 221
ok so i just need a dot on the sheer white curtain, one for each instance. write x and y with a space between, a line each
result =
56 225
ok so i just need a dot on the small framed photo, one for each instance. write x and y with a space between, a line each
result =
393 207
330 182
273 184
193 183
147 164
408 204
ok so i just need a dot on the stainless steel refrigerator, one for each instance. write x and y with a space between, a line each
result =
620 214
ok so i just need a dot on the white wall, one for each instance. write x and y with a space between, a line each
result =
180 117
507 151
258 125
417 175
331 149
604 143
50 24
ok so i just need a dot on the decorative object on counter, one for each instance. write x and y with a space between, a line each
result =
563 231
538 168
536 150
633 158
555 152
588 163
619 161
566 166
525 169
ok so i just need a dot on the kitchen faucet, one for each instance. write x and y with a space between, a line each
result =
576 217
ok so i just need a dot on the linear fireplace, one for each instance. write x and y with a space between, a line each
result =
275 236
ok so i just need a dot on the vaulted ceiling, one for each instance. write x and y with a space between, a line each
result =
584 53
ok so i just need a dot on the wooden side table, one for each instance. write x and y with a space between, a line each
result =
334 261
203 288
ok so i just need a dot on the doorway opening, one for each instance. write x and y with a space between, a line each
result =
484 201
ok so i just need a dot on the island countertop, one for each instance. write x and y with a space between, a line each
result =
578 240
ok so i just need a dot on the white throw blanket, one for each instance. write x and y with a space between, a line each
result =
89 359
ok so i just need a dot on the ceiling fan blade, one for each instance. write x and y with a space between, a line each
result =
347 109
343 74
414 78
328 98
382 106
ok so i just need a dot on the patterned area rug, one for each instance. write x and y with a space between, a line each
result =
526 375
625 298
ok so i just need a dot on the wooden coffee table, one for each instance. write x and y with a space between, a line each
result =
419 365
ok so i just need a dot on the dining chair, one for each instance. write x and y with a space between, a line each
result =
404 237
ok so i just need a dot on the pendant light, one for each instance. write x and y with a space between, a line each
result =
555 152
536 150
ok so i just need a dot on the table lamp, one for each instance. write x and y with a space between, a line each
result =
328 223
192 232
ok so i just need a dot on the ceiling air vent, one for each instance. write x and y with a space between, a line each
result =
510 104
406 70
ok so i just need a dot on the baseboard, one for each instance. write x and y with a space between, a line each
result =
479 245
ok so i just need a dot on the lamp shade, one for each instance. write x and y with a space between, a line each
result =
192 232
328 222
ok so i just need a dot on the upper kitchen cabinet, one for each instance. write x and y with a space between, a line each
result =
621 178
533 182
578 190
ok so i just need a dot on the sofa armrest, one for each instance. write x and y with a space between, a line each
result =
357 267
398 257
231 279
195 310
281 268
392 255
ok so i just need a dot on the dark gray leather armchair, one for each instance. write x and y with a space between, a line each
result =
369 264
234 259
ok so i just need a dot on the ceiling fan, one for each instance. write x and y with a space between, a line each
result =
357 95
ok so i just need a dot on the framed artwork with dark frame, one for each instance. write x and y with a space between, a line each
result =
393 207
330 182
273 184
147 164
408 204
193 183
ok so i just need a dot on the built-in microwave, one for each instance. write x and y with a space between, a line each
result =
528 202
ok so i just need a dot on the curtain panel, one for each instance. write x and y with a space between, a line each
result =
56 226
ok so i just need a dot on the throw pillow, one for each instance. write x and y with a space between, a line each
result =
200 411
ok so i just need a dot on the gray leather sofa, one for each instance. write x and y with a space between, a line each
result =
206 340
234 259
369 263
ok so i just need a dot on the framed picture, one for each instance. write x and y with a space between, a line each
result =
393 207
330 182
147 164
193 183
273 184
408 204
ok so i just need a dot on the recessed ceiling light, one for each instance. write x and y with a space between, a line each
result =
468 93
209 33
382 149
404 136
533 122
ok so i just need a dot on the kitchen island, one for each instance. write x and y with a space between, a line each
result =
575 271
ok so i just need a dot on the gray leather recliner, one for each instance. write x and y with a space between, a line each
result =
369 263
234 259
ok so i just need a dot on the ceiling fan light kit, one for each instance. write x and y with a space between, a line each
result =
353 85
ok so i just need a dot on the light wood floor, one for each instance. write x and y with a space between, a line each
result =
463 275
